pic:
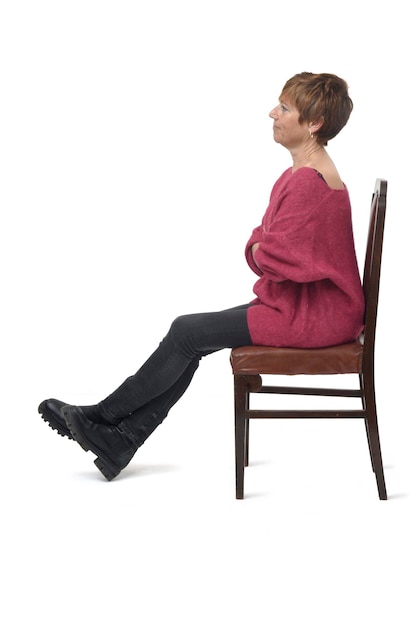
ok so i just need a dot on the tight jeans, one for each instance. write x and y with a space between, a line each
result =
145 398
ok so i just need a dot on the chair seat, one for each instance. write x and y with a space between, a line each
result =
342 359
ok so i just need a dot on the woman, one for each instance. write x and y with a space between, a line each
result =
308 293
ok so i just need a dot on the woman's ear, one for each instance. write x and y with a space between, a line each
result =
313 127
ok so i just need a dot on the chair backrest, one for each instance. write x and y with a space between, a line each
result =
372 267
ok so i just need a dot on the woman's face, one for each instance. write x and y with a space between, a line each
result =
287 129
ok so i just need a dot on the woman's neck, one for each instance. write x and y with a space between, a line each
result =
308 157
319 160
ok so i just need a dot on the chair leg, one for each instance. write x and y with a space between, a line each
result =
240 434
246 442
376 457
240 457
253 384
366 423
372 430
369 445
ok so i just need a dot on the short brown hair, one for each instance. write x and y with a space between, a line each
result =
319 96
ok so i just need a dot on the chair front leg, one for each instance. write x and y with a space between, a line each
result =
240 433
244 385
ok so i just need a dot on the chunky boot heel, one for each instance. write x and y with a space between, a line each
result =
108 470
113 448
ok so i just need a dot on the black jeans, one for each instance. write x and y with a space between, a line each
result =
149 394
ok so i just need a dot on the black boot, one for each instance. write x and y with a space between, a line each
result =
114 449
50 411
115 445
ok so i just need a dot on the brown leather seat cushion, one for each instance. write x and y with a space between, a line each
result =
343 359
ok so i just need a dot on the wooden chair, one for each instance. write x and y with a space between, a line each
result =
249 363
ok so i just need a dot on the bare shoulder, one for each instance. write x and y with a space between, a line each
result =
333 179
328 171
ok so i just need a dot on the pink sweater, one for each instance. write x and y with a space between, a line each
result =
309 293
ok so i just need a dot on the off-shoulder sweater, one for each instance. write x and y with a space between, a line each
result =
309 293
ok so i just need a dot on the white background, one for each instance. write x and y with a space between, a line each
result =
136 157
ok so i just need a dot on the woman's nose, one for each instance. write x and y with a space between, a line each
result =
274 113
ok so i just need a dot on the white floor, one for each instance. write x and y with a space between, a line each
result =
167 543
136 153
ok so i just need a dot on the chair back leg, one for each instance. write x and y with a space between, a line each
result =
371 423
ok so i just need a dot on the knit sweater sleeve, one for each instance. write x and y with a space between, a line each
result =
298 237
254 238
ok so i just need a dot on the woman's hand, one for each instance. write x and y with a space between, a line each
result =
254 249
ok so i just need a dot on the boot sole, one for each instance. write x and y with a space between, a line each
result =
52 422
102 462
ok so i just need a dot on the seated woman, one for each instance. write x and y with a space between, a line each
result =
308 291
